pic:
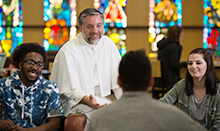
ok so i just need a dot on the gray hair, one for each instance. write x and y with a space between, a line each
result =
89 12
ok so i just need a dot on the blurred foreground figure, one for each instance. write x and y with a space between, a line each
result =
136 110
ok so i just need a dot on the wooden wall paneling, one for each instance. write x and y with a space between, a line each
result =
137 12
192 38
192 23
33 12
33 35
83 4
137 31
137 38
33 21
192 13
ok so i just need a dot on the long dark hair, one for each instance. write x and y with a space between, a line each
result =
173 33
211 78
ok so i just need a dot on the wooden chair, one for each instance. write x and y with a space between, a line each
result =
156 72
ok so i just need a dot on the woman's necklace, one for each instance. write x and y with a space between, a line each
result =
199 93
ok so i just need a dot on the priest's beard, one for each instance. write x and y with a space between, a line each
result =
89 39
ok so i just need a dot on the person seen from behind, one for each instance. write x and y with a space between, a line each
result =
136 110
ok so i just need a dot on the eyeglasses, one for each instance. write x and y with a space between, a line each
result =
31 63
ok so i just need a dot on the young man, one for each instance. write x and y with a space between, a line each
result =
86 67
29 102
136 110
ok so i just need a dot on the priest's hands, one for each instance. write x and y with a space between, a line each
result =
91 101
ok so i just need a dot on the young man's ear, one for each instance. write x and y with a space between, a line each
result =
20 65
151 83
119 82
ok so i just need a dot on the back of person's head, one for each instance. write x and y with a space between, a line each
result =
211 78
173 33
135 71
20 52
89 12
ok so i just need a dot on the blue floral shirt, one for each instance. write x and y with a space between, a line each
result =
29 106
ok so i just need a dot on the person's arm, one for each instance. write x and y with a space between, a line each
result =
216 121
171 97
6 124
53 124
64 73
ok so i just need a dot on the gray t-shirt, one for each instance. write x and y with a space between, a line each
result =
199 109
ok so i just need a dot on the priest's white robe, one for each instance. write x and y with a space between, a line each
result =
79 67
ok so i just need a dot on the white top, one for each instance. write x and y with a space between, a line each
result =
79 67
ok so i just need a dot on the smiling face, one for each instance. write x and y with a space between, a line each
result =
29 74
92 29
197 66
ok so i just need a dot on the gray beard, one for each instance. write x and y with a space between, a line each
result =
91 40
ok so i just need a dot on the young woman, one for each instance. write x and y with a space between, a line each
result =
169 53
199 93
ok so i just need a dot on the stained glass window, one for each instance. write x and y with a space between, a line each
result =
162 14
11 30
115 21
60 18
211 22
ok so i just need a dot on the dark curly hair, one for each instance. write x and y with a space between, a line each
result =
20 52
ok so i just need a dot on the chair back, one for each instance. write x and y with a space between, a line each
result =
157 74
156 68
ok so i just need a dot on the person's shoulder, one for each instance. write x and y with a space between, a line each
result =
218 85
218 89
107 39
174 45
179 116
68 44
4 79
67 48
7 80
49 86
173 113
180 85
182 81
7 84
49 83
